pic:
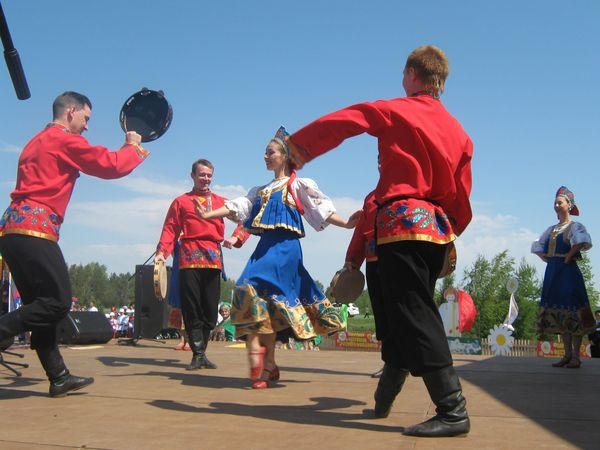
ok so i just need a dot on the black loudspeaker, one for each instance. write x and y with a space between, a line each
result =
151 314
84 327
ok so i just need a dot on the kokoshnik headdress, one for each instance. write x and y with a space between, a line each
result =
280 137
567 194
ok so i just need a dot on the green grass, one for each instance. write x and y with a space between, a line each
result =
359 323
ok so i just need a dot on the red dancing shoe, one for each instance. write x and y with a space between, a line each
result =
272 375
260 384
179 346
256 371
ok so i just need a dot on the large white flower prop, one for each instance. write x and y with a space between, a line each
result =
501 340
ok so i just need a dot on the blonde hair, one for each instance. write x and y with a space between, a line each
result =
431 66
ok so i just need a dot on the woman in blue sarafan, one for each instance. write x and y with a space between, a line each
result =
564 306
275 293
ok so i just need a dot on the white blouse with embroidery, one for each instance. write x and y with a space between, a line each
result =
317 206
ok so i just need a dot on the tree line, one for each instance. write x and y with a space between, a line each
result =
91 283
485 280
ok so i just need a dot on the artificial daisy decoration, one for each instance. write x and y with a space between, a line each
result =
501 340
546 348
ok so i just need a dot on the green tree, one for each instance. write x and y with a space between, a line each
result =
89 284
227 288
363 301
121 290
527 297
588 275
320 285
486 283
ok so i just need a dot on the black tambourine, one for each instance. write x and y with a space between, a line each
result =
148 113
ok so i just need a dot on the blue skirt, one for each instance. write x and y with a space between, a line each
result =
275 292
564 306
174 297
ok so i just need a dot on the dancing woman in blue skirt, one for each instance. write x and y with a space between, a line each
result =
275 293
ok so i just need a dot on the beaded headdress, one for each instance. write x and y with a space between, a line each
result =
280 138
566 193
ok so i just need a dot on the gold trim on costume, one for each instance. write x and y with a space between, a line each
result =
561 228
26 232
415 237
199 266
265 196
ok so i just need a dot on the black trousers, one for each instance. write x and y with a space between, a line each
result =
200 294
415 338
40 273
374 289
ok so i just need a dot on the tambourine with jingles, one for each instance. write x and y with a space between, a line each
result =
449 261
148 113
160 280
347 285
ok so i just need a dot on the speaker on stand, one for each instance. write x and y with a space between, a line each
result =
84 327
151 314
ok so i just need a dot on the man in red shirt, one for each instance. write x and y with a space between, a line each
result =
200 258
47 170
423 204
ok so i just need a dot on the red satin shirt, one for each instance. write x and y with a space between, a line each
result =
199 239
47 170
425 164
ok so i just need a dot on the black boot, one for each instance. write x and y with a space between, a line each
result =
66 383
61 380
205 362
199 360
451 417
389 386
195 341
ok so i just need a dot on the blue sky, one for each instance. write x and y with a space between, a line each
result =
523 82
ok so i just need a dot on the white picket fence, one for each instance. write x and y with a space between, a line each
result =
361 342
521 347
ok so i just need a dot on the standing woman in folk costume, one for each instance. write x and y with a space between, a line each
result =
275 293
564 306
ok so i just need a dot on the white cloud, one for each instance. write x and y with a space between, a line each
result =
144 185
488 236
230 190
131 217
9 148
